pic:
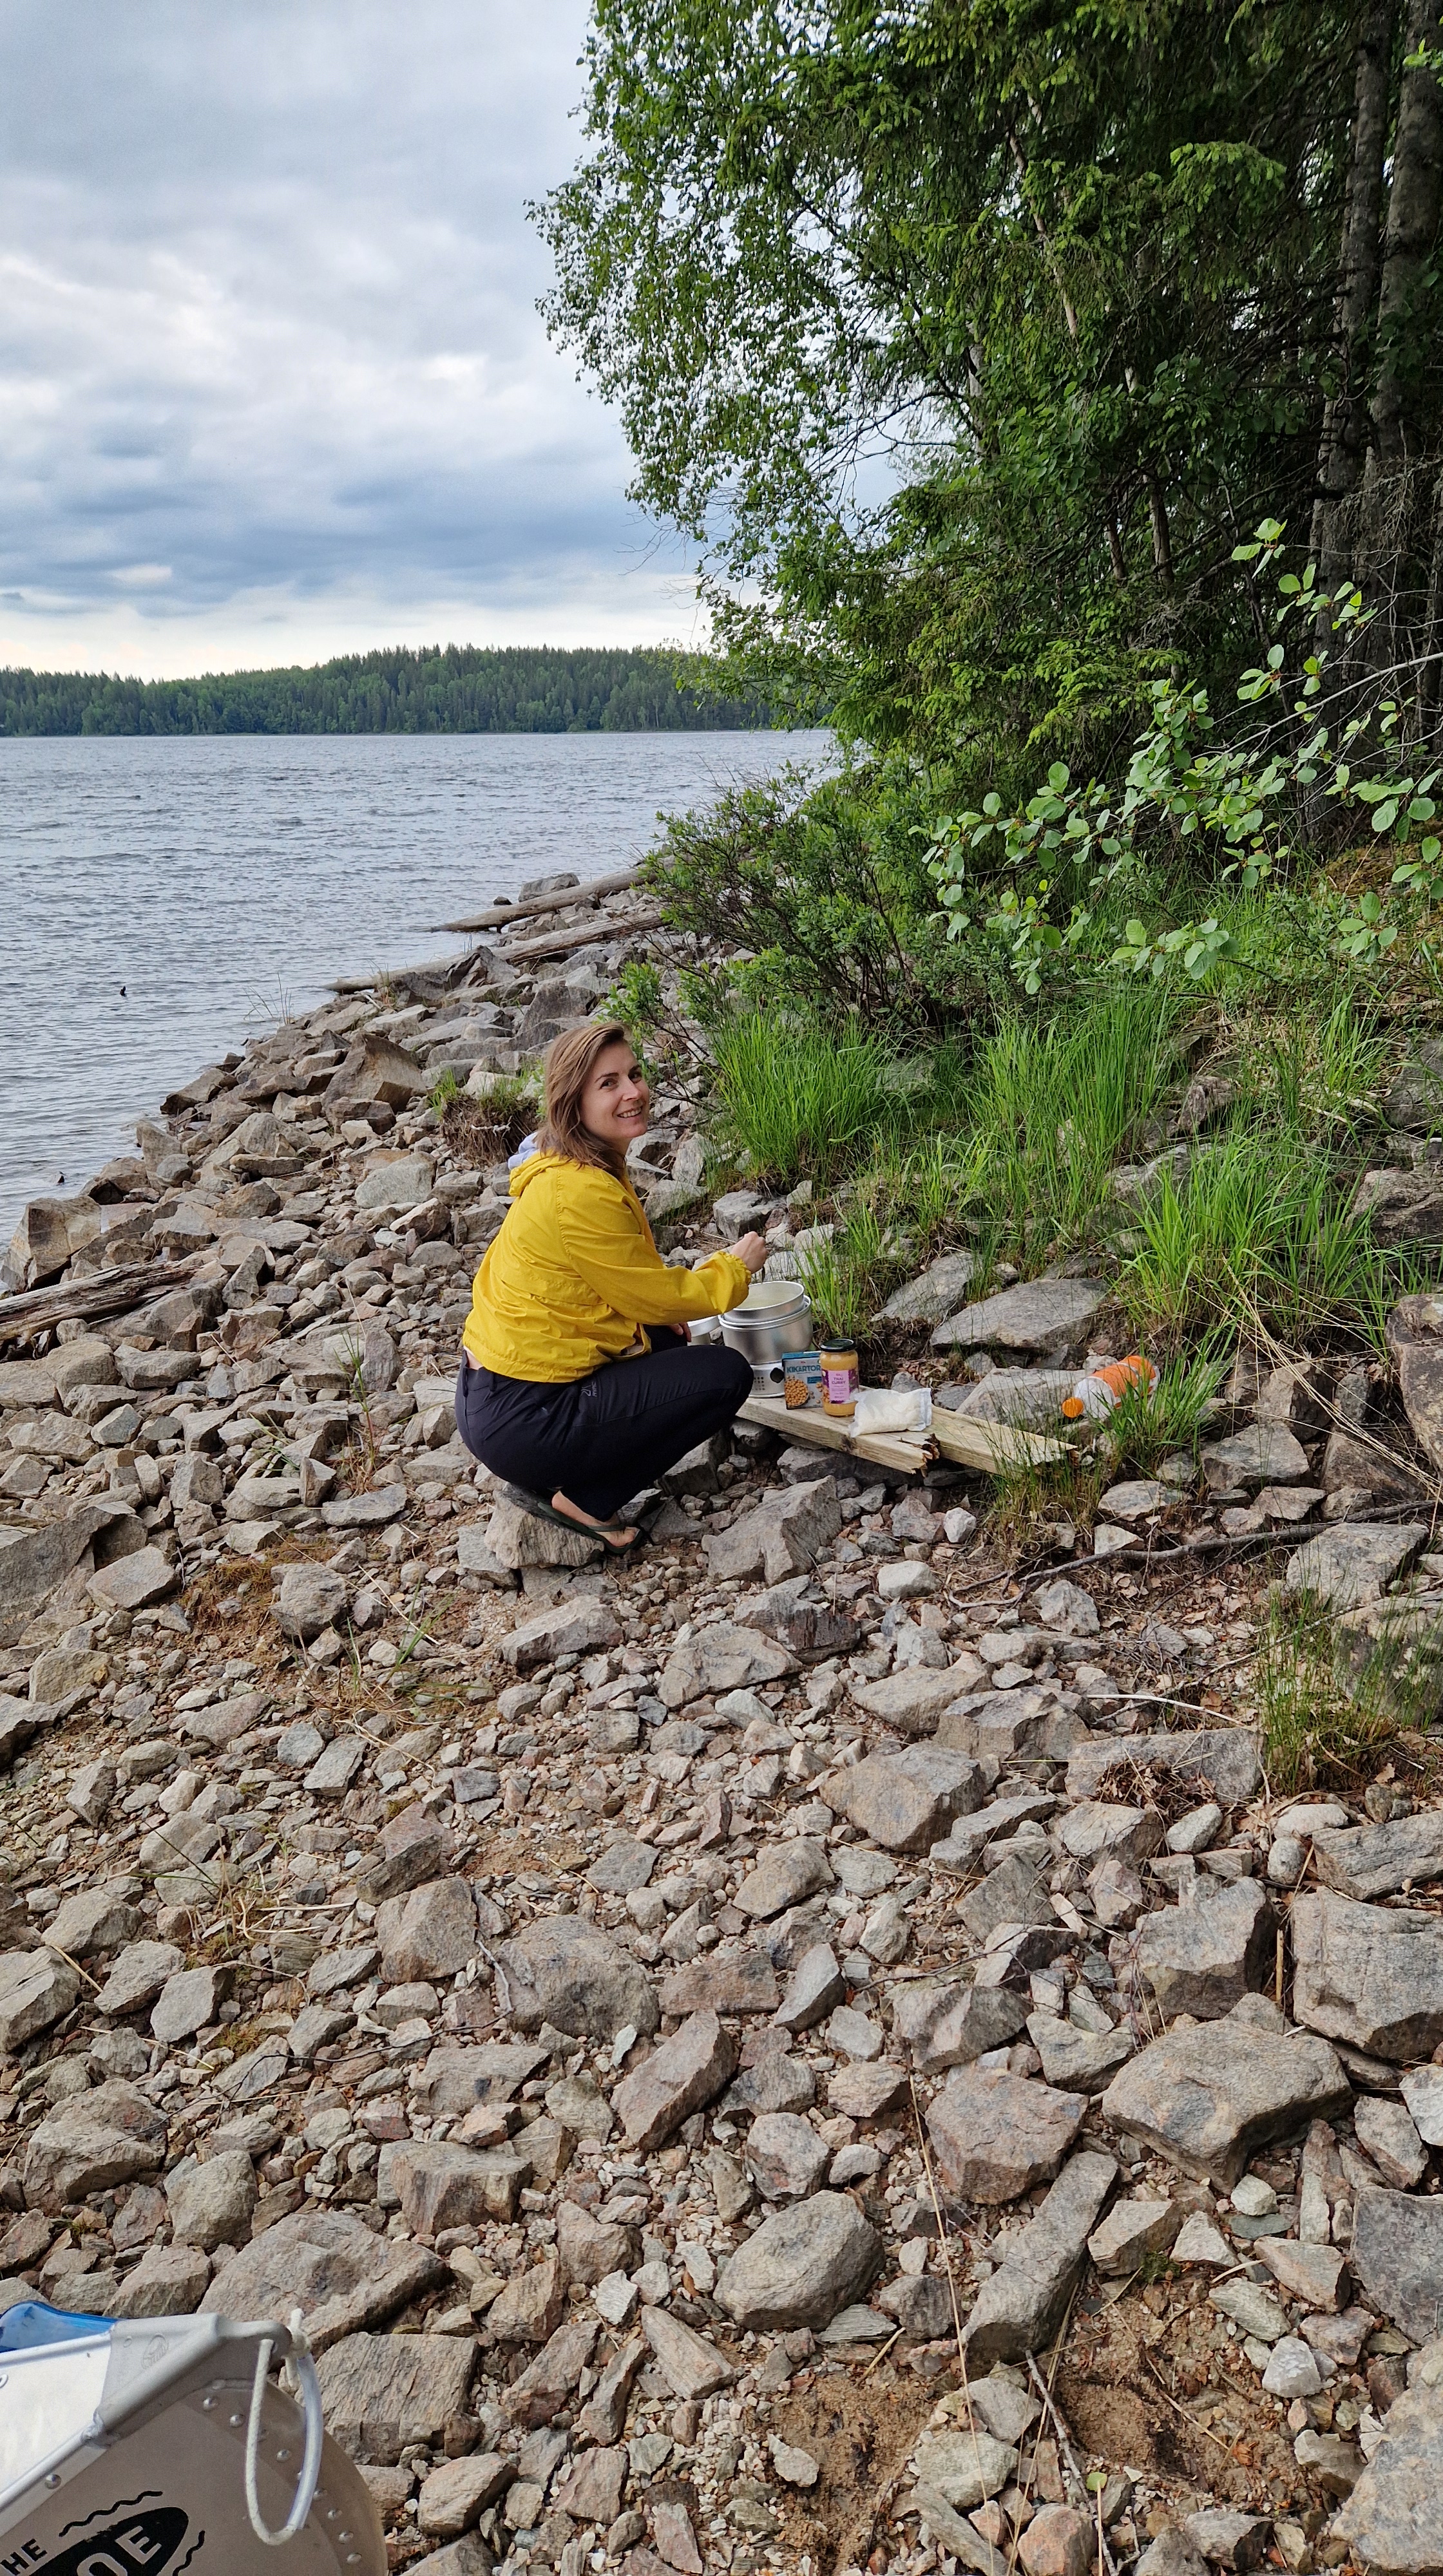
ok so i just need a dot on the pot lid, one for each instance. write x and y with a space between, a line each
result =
771 1297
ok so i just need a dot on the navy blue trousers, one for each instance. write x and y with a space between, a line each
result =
599 1439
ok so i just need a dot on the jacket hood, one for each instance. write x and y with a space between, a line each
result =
532 1169
536 1165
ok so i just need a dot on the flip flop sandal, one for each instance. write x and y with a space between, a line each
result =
604 1531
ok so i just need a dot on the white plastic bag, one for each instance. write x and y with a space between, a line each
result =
884 1408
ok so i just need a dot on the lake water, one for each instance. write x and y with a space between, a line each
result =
164 899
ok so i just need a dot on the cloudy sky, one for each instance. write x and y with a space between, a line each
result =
272 382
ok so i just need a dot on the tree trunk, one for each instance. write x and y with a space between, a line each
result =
1413 201
1345 420
1401 468
1430 677
1161 533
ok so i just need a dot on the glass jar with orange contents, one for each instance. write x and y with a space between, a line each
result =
841 1378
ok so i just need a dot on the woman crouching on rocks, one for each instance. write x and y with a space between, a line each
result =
577 1382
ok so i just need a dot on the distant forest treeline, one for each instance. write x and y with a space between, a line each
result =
453 688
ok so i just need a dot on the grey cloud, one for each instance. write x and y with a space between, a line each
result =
267 313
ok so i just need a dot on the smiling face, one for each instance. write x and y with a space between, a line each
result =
616 1104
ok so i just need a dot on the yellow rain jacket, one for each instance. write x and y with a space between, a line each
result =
574 1272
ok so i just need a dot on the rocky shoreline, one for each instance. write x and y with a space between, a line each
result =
811 2050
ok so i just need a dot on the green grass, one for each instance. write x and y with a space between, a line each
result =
1325 1724
796 1098
1142 1428
1312 1074
1049 1109
1009 1153
1257 1235
847 1279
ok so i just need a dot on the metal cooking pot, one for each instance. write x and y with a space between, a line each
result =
774 1318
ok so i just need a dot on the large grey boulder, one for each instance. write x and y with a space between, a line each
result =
1211 1948
388 2391
785 1875
995 2134
1020 2308
311 1597
935 1293
906 1801
1016 1891
1264 1453
211 2204
1023 1398
36 1990
691 2364
785 1535
91 2143
188 2002
1040 1318
1354 1561
1414 1099
1415 1338
1371 1975
566 1971
1208 2096
429 1933
1077 2061
1005 1726
437 2183
1357 1463
515 1539
968 1837
682 2076
583 1627
35 1565
722 1658
1226 1757
1393 2520
1397 2257
133 1582
142 1971
801 2266
912 1701
331 2266
1376 1860
947 2023
168 2281
94 1918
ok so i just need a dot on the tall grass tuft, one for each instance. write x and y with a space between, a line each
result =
1143 1427
1050 1110
1257 1234
1326 1715
798 1098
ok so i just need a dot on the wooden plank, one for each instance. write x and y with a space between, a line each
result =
992 1446
501 913
820 1430
557 943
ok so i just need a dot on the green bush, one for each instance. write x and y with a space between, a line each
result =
826 888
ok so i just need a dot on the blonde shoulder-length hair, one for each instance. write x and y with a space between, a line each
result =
568 1065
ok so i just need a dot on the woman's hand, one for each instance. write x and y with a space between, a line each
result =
754 1250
